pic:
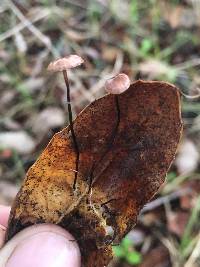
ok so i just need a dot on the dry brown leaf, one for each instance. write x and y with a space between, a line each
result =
157 257
180 15
126 143
109 53
189 201
177 222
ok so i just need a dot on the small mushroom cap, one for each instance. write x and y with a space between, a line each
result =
117 84
65 63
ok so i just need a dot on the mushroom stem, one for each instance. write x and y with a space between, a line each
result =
71 126
109 146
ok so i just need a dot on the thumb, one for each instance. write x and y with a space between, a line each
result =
42 245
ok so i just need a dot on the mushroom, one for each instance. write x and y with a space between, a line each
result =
64 64
118 84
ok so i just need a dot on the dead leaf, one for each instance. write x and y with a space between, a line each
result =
110 53
157 257
177 222
189 201
180 16
77 36
126 145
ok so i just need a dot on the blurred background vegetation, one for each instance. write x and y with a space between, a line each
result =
151 40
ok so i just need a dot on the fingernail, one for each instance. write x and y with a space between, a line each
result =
45 249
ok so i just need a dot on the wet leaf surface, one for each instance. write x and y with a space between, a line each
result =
126 145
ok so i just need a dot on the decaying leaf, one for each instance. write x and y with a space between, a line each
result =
126 144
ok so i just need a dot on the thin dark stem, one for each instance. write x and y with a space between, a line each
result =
71 126
110 143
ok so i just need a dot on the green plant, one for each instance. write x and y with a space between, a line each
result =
125 251
187 236
147 45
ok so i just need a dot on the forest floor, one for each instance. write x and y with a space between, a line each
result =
150 40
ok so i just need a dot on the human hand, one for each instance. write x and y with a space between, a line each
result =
42 245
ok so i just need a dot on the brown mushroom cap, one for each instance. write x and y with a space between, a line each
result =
117 84
65 63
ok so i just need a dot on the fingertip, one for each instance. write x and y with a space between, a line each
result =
2 235
4 215
42 245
